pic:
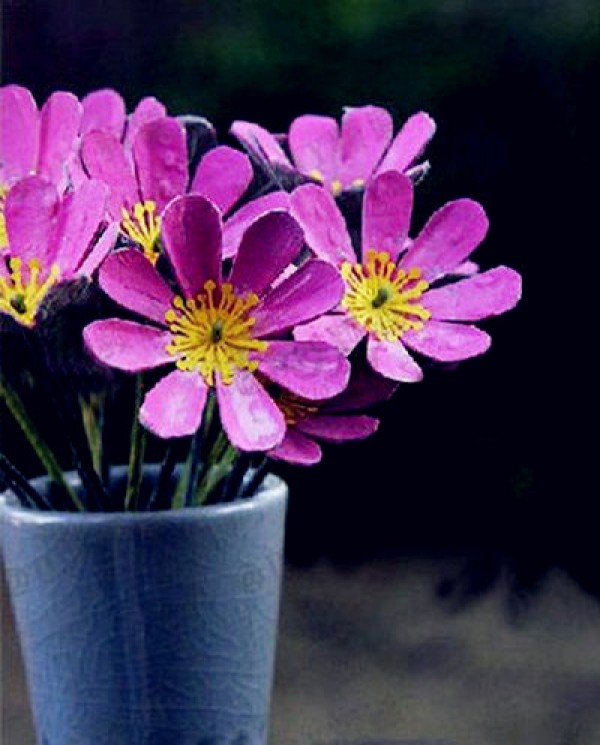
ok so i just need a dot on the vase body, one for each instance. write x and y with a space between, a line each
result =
149 628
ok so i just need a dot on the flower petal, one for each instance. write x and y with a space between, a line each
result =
268 247
314 143
409 143
127 345
147 110
131 281
338 428
99 250
311 291
387 207
30 211
449 237
260 143
249 415
366 133
60 120
480 296
174 407
324 226
312 370
365 389
448 342
191 230
103 110
104 159
236 225
298 449
19 128
340 330
390 359
223 175
160 154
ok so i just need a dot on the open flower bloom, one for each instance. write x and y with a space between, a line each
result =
335 420
395 293
141 185
51 239
343 157
218 334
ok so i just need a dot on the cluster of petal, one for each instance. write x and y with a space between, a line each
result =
448 301
192 235
341 157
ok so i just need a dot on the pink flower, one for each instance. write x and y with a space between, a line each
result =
219 334
398 295
334 420
51 239
341 158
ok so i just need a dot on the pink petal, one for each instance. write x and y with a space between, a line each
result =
387 207
269 245
323 224
99 251
191 230
59 129
104 159
366 133
296 448
174 407
338 428
260 143
340 330
147 110
312 370
19 128
448 342
480 296
449 237
126 345
160 154
249 415
365 389
391 360
314 143
236 225
79 218
131 281
103 110
409 143
223 175
311 291
30 211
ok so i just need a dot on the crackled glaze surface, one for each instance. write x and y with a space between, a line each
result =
155 629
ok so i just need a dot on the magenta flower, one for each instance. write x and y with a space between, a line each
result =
396 295
142 183
50 240
341 158
333 421
217 333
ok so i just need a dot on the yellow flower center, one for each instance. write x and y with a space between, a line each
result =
336 185
213 333
382 298
294 408
3 233
20 297
142 225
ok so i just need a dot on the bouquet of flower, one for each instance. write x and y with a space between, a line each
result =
262 299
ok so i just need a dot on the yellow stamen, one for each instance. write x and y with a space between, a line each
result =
316 175
214 335
336 187
293 407
21 296
3 233
358 183
381 297
142 225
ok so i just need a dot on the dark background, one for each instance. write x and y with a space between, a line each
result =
493 460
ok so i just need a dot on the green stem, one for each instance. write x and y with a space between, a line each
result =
92 416
160 499
217 471
21 488
46 456
136 452
257 478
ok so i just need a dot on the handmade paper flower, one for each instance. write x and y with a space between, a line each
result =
217 333
341 158
333 421
395 295
157 171
51 239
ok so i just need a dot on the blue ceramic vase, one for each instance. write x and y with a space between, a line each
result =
154 628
